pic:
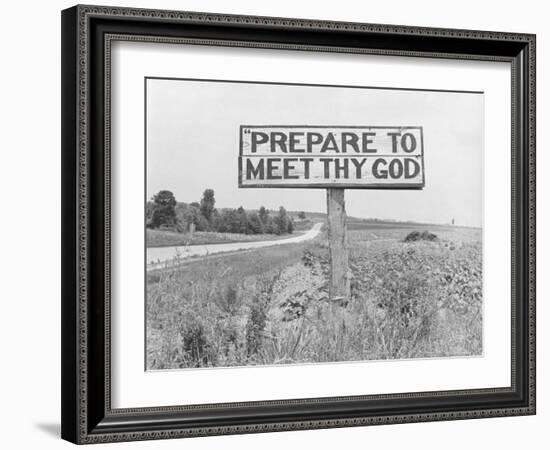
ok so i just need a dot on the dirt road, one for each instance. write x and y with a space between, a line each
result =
158 257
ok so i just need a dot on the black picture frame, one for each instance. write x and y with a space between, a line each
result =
87 416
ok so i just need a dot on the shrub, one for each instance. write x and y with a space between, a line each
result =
228 301
418 236
254 329
195 345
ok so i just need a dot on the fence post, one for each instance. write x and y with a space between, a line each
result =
338 245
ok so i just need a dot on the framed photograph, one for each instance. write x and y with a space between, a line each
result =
279 224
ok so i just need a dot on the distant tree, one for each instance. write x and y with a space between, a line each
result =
243 221
268 226
163 209
192 215
301 215
281 220
205 217
273 227
149 213
207 204
221 223
263 214
215 221
228 222
290 226
255 225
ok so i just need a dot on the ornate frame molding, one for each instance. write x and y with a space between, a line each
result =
76 417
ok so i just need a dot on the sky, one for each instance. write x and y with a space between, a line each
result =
192 143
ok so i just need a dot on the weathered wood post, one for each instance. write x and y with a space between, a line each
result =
332 158
338 244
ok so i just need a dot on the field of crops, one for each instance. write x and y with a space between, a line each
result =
408 300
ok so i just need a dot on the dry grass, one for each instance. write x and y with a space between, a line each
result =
164 238
409 300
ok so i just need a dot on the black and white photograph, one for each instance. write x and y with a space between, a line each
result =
305 224
275 225
280 220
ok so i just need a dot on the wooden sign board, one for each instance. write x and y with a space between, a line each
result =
366 157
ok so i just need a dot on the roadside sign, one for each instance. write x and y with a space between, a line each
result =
335 158
366 157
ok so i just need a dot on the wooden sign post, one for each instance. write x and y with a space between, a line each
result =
339 287
335 158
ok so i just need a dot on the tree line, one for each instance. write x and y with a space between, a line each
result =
163 211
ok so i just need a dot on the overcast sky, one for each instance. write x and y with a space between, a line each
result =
193 144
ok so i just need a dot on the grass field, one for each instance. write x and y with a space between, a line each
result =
163 238
271 306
